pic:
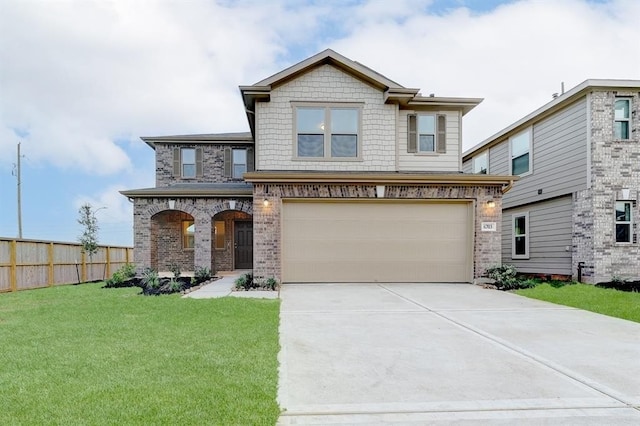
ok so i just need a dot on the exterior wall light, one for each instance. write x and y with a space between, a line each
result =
265 203
491 204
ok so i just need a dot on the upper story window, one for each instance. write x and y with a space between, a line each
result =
427 133
187 162
237 161
622 117
481 164
327 132
624 224
188 234
520 236
520 153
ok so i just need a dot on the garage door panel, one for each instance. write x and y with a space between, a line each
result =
376 241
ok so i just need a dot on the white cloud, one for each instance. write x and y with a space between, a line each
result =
77 75
515 56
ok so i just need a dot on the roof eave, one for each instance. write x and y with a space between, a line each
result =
554 105
380 178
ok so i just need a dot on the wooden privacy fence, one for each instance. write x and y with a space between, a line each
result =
26 264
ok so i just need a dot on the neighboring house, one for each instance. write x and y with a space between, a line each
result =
349 177
575 208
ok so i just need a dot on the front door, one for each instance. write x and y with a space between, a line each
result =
243 240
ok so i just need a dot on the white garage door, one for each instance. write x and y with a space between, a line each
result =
376 241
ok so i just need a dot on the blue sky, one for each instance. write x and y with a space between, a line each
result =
81 81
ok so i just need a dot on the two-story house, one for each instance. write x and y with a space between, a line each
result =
345 176
574 210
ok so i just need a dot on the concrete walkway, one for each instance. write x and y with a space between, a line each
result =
224 287
451 354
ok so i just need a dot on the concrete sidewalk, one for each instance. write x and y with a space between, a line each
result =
451 354
224 287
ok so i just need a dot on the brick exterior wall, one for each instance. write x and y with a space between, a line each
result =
212 163
615 164
275 132
267 220
583 235
155 226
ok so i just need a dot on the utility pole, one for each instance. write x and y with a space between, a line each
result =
19 195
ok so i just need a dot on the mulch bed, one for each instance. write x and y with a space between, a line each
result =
632 286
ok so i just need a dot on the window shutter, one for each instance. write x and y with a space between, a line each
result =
251 164
198 162
176 162
441 143
412 139
228 164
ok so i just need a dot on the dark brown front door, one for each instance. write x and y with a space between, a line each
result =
243 245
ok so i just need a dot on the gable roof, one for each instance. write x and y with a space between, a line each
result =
393 92
551 107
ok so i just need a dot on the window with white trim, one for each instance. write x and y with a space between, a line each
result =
327 132
481 164
239 163
427 133
188 162
520 236
624 222
188 234
622 118
520 153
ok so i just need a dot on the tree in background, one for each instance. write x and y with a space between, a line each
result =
89 237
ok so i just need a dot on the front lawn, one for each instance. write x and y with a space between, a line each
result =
615 303
86 355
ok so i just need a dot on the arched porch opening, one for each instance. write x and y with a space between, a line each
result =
172 240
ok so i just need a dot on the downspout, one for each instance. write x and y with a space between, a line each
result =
505 189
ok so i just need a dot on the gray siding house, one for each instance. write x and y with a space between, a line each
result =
574 210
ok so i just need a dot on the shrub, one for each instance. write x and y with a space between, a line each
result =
150 278
175 269
271 283
202 274
121 276
175 285
505 277
245 282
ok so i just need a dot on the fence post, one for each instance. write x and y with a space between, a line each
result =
108 262
51 277
84 267
12 259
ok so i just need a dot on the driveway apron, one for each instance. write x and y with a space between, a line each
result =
451 354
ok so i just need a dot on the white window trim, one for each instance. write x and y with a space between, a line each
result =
327 135
526 235
628 119
530 171
233 163
435 133
182 163
473 162
616 222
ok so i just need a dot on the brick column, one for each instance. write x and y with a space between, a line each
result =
202 255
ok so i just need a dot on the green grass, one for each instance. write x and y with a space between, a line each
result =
75 355
615 303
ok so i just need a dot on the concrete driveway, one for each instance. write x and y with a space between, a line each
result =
451 354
